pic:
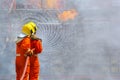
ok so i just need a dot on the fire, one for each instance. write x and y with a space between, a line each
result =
67 15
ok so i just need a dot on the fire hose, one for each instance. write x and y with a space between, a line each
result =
26 63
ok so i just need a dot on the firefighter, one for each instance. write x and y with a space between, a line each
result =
36 45
23 49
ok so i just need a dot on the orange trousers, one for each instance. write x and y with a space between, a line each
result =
20 64
34 68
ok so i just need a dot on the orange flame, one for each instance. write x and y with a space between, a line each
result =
67 15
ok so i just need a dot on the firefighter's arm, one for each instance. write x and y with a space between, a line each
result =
38 47
26 45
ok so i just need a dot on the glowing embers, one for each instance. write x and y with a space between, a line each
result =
67 15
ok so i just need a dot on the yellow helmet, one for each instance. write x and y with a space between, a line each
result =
33 25
28 29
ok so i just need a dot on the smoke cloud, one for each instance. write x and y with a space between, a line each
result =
86 47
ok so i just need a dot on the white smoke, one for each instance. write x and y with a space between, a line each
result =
85 48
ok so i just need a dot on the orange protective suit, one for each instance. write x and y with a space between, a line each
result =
36 44
22 47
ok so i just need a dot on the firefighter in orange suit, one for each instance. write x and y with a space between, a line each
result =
23 49
36 45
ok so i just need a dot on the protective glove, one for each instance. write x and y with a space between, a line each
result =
29 52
